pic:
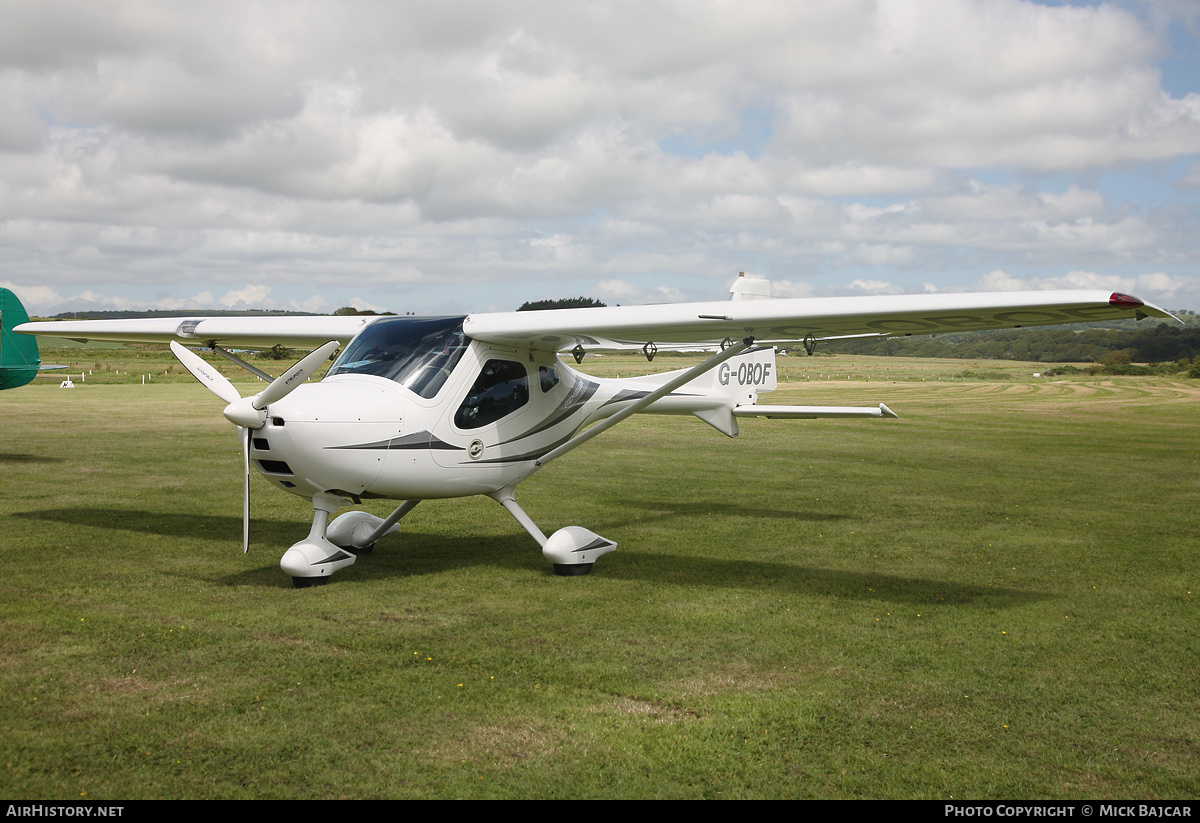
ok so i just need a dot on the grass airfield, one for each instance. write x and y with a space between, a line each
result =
995 596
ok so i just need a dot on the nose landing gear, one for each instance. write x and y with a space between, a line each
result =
311 561
331 547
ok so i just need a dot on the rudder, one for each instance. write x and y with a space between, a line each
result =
19 359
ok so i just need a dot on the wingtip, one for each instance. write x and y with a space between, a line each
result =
1124 301
1130 303
887 412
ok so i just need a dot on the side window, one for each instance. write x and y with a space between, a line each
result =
501 388
548 376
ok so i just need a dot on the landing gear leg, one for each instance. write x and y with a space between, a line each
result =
357 532
315 557
572 549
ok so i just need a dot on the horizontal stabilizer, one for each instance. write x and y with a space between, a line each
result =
812 412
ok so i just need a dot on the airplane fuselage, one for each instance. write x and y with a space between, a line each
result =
478 425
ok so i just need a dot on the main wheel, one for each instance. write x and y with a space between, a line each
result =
562 569
308 582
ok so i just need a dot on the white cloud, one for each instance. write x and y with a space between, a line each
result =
1153 286
36 299
874 287
295 147
1001 281
856 178
248 297
319 305
790 288
1163 284
620 292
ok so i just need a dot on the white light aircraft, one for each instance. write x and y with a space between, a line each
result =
421 408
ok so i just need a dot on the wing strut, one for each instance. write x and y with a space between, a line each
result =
230 356
662 391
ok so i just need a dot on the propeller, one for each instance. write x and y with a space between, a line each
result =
249 413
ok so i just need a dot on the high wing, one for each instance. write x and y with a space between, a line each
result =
768 321
242 332
786 320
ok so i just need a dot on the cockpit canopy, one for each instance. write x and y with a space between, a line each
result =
419 353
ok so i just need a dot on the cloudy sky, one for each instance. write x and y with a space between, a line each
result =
458 156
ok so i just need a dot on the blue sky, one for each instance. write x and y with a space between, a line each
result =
471 156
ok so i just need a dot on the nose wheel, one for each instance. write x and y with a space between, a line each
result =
331 547
316 557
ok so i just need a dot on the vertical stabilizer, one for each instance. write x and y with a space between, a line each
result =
18 353
750 288
739 382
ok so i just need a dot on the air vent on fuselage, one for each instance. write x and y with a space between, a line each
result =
275 467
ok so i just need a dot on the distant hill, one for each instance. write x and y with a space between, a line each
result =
1144 341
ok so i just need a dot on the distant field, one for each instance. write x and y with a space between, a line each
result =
116 363
994 596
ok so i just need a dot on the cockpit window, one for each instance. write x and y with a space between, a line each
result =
501 388
418 353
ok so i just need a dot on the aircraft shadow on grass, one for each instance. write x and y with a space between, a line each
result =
814 580
11 457
414 554
669 509
178 525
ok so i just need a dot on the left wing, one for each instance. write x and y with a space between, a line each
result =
786 320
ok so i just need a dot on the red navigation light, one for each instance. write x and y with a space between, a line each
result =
1124 301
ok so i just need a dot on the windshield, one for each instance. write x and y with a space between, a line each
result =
417 352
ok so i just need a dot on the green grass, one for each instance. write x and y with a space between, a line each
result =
993 597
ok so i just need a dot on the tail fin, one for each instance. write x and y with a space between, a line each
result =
750 288
18 353
740 379
715 394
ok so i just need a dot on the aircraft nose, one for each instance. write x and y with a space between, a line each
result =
328 437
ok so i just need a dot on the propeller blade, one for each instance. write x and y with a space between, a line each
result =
250 411
212 379
247 413
245 489
282 386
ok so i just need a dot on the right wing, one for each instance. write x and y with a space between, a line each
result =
238 332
